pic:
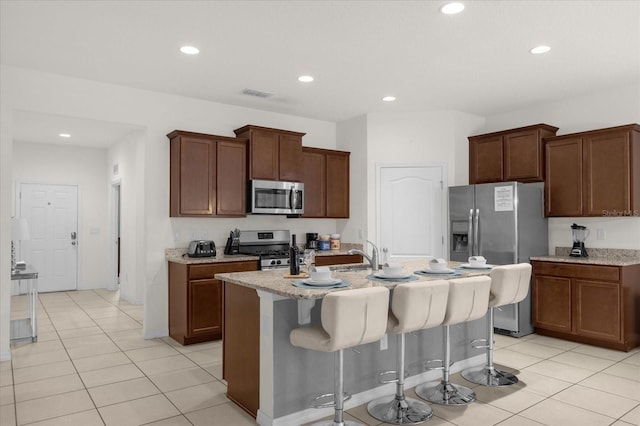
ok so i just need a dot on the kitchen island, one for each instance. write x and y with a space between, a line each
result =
275 381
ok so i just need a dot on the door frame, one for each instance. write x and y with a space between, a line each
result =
116 227
445 205
17 201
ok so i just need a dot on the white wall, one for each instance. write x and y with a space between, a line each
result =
159 114
85 167
417 137
598 110
126 155
352 136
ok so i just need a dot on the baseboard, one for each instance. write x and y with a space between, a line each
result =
312 414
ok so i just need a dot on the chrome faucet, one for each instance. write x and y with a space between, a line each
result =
373 259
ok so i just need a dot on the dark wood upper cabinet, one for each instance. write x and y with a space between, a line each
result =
207 175
594 173
563 185
338 184
231 172
509 155
314 176
326 183
272 154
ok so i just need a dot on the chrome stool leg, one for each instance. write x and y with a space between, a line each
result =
399 409
488 375
338 380
446 393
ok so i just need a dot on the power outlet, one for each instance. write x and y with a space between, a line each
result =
384 343
601 234
204 235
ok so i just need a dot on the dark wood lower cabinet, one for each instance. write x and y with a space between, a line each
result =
338 259
195 299
593 304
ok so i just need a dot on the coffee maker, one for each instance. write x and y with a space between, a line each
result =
312 241
580 233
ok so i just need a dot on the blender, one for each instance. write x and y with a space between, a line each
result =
580 233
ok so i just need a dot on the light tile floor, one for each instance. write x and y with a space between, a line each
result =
91 366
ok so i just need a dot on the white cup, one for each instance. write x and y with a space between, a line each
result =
477 261
392 269
438 264
321 273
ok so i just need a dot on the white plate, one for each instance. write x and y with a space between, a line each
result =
439 271
331 281
467 266
392 277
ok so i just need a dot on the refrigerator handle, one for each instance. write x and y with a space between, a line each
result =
470 239
476 236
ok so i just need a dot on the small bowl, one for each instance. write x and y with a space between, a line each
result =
392 269
477 261
321 273
438 264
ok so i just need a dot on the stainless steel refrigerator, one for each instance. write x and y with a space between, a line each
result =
505 223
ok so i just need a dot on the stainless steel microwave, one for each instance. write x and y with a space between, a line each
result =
275 197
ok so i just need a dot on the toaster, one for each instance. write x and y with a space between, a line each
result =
201 248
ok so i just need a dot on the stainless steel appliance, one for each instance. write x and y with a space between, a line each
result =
505 223
271 246
201 248
580 234
275 197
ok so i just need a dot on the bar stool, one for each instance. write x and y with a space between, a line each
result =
414 306
509 284
349 318
468 301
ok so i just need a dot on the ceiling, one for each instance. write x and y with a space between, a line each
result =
358 51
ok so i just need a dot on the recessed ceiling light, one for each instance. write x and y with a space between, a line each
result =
64 135
190 50
389 98
540 49
305 78
452 8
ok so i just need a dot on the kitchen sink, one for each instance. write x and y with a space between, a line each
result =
350 268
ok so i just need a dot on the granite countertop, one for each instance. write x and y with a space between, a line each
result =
273 280
610 257
179 255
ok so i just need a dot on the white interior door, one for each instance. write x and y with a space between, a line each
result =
52 214
410 211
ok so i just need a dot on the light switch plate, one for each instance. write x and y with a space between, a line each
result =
601 234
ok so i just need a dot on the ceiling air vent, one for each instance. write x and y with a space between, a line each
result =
256 93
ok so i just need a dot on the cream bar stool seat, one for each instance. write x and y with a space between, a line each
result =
349 318
414 306
509 284
468 301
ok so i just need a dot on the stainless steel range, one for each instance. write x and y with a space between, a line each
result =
271 246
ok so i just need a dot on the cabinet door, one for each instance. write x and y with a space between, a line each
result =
552 303
314 179
231 194
193 176
523 155
338 185
485 159
263 155
563 185
607 183
290 158
597 309
205 307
